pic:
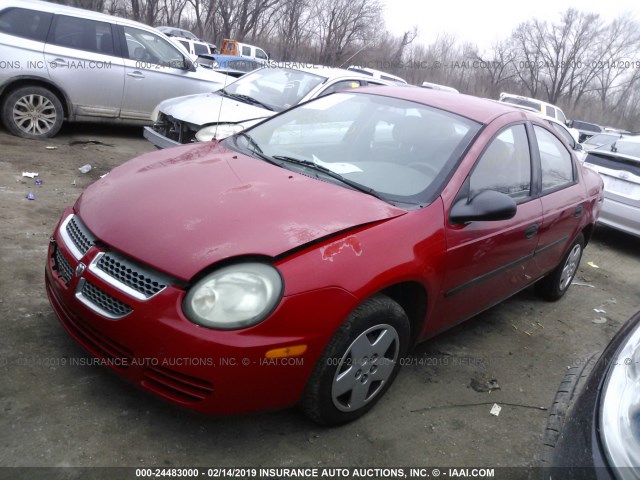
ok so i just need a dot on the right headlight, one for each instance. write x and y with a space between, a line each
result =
234 297
620 415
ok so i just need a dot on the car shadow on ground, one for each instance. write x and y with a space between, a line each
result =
615 239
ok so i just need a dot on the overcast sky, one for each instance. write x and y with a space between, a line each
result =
484 21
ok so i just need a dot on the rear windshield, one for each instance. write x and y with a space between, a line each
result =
590 127
523 102
614 163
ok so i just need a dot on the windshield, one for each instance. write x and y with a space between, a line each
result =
279 88
401 151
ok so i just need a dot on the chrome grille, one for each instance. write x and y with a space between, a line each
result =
101 302
78 235
130 274
62 266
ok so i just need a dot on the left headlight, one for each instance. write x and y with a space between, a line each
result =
620 415
218 132
233 297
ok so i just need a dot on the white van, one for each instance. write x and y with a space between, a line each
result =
237 49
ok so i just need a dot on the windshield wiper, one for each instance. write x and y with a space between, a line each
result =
255 148
329 173
245 99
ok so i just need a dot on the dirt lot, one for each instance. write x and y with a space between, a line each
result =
85 416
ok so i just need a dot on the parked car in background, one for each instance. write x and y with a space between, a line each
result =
248 100
586 129
593 427
436 86
619 166
229 65
78 65
177 32
237 49
543 107
306 255
195 48
376 74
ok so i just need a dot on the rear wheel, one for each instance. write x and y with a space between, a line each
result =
32 112
555 284
359 363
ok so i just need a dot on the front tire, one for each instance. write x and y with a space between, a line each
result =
359 363
32 112
555 284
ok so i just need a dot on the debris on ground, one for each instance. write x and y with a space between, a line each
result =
591 264
579 284
38 181
495 410
90 142
599 320
31 196
482 386
85 168
50 147
599 310
30 174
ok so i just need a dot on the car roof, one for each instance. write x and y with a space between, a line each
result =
63 9
475 108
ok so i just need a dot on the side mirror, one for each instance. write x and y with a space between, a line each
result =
189 65
488 205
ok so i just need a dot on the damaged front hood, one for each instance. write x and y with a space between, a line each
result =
206 108
183 209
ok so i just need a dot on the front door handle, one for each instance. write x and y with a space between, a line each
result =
135 74
578 211
531 231
58 62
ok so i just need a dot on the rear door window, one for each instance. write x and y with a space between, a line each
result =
25 23
82 34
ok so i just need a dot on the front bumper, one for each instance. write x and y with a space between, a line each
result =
620 216
158 139
153 345
579 453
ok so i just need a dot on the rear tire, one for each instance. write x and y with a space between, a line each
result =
359 363
555 284
32 112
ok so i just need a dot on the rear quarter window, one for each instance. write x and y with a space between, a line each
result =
25 23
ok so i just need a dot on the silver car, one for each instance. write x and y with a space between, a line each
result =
619 166
250 99
61 62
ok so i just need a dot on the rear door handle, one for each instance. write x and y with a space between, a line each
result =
578 211
531 231
136 74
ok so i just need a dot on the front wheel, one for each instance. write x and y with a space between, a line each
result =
32 112
359 363
555 284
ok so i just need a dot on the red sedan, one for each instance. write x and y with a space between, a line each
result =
298 261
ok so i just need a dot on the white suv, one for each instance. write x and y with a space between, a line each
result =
61 62
539 106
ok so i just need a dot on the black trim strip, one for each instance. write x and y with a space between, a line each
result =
551 245
497 271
